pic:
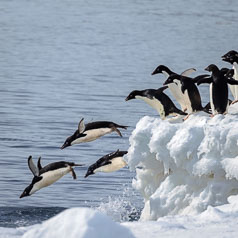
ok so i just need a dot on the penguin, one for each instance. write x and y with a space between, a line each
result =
218 88
190 92
47 175
158 100
91 131
175 86
232 58
108 163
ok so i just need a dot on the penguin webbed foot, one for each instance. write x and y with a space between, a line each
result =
235 101
73 173
117 131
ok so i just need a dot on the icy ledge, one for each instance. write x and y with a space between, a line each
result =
182 168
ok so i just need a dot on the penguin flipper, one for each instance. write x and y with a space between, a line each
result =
204 80
117 131
39 164
160 90
232 81
81 126
32 167
196 79
187 72
73 173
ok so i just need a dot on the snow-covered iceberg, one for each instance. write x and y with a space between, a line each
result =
182 168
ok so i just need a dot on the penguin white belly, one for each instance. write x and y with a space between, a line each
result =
92 135
49 178
175 89
116 164
156 104
188 102
235 87
211 100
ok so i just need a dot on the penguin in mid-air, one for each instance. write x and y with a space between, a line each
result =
218 89
91 131
158 100
108 163
47 175
192 98
175 86
232 58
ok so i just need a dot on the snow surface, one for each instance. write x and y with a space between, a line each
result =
187 174
182 168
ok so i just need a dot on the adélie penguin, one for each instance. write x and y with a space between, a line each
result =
175 86
47 175
157 100
190 92
232 58
108 163
218 89
91 131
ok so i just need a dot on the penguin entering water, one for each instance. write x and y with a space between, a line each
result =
232 58
108 163
218 88
158 100
47 175
175 86
92 131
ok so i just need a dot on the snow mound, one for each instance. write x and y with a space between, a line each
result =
80 223
182 168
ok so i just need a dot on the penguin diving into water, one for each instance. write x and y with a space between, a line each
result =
232 58
158 100
175 86
108 163
218 88
92 131
47 175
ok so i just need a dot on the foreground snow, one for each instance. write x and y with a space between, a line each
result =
182 168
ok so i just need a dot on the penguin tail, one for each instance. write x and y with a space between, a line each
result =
78 164
180 112
207 108
123 127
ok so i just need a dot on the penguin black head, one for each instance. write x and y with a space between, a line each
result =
132 95
160 69
228 57
212 68
77 134
171 78
89 172
67 142
26 192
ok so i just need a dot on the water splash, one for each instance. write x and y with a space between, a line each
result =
121 208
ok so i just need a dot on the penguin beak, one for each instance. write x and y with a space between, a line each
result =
64 145
127 99
207 68
22 195
226 58
154 72
88 173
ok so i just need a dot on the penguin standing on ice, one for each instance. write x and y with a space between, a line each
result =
91 131
158 100
232 58
108 163
175 86
47 175
192 98
218 89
